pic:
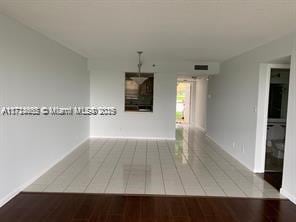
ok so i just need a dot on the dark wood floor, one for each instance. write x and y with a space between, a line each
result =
274 178
45 207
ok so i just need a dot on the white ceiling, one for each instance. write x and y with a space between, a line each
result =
209 30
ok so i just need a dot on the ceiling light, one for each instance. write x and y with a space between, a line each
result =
139 79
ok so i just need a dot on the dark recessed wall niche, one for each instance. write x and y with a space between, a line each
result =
139 92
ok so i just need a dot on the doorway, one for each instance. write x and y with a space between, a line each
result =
183 102
276 125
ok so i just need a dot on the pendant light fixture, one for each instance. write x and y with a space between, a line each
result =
139 79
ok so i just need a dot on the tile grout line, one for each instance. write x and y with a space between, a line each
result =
196 177
217 165
243 176
98 151
160 163
68 167
219 168
204 160
208 171
172 156
130 167
189 164
122 151
236 169
233 166
99 167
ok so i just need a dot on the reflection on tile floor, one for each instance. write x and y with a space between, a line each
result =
191 165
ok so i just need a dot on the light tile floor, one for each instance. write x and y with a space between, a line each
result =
191 165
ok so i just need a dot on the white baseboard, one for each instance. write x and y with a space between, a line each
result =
16 191
133 138
285 193
257 171
234 157
12 194
201 129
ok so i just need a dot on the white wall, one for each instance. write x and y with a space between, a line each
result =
289 177
35 71
107 88
200 111
232 107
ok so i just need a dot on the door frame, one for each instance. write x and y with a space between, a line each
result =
262 113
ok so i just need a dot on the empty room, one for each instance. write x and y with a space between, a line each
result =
161 110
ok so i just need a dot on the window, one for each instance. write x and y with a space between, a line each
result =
139 92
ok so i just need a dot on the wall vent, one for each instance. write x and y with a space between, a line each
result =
201 67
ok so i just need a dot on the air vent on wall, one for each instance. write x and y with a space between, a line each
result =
201 67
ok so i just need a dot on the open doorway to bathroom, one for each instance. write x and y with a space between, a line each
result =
276 125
